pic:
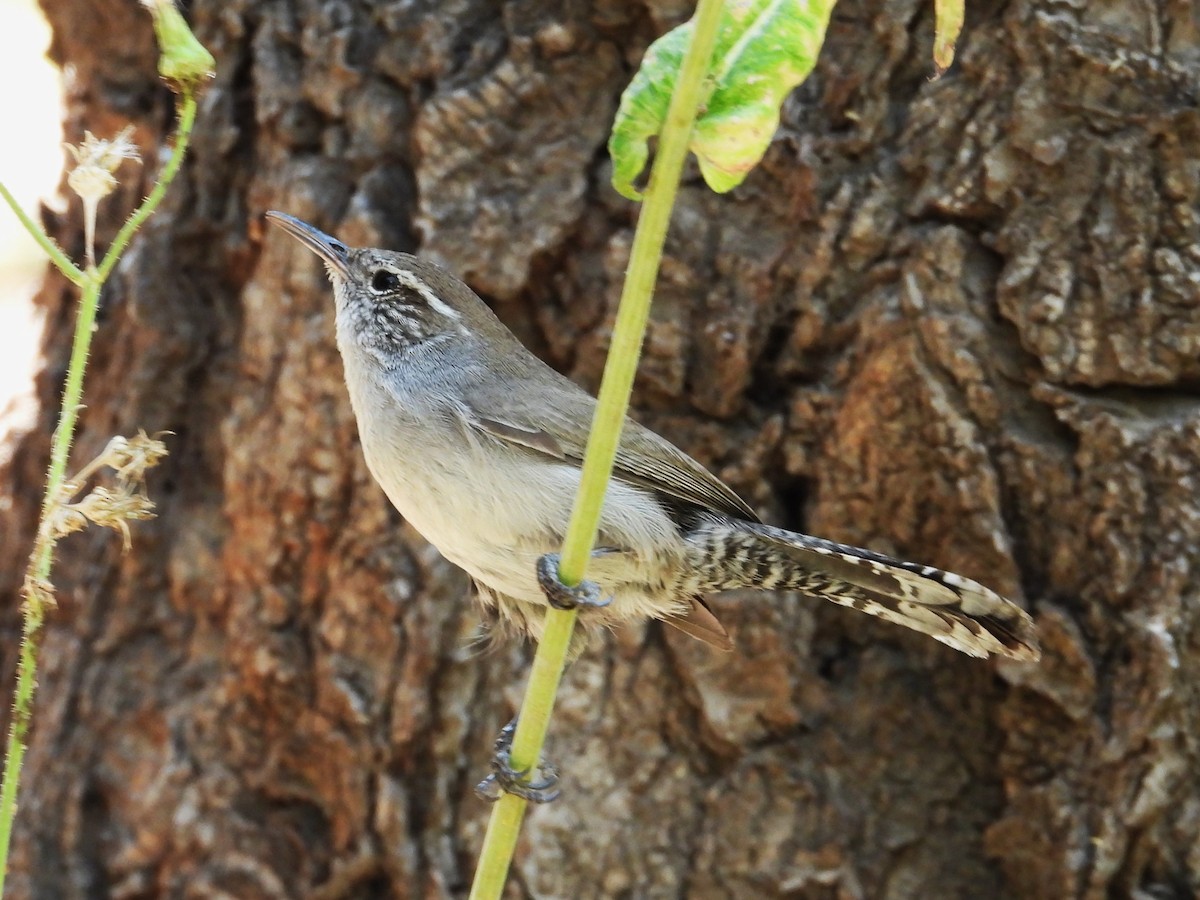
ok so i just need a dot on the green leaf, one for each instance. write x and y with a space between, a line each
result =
948 23
764 49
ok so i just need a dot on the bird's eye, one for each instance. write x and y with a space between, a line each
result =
384 280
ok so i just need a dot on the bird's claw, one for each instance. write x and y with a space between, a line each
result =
507 780
559 595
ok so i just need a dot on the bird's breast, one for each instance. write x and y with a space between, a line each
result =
489 506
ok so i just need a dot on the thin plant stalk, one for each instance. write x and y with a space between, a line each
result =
37 575
187 118
613 403
51 249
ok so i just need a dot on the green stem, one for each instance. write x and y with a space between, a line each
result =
612 406
187 118
37 575
60 259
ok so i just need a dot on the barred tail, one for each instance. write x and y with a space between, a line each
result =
950 608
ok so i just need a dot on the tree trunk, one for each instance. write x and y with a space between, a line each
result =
957 321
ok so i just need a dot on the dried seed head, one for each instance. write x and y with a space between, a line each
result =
130 458
96 160
114 509
92 178
65 520
39 593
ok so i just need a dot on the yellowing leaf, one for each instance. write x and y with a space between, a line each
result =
764 49
948 23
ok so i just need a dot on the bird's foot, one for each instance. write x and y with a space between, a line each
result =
559 595
507 780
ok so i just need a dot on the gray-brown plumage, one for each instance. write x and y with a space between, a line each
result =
479 444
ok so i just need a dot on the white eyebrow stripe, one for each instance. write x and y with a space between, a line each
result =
409 280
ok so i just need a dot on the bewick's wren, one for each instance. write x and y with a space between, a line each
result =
478 444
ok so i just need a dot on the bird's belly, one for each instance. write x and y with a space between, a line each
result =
490 543
496 527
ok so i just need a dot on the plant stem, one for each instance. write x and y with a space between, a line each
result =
187 118
37 575
613 403
504 826
60 260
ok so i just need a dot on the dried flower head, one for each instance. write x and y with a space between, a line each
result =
39 593
95 161
110 509
129 458
66 519
92 177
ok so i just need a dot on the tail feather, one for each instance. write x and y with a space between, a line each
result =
950 608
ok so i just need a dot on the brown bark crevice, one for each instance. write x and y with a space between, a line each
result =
952 320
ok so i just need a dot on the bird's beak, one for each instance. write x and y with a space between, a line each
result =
335 254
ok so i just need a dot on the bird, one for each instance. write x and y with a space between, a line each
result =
479 445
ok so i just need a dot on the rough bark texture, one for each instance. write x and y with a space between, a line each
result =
958 321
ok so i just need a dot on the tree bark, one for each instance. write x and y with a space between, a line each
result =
957 321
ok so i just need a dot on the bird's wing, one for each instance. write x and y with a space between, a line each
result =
554 421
